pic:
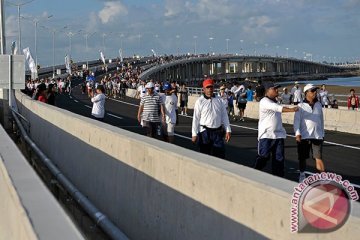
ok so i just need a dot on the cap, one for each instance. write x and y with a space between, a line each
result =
167 86
284 88
310 87
150 85
296 82
271 85
208 82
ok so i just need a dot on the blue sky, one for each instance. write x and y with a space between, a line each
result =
326 29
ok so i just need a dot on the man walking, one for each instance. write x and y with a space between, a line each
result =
209 122
149 109
309 130
271 133
170 105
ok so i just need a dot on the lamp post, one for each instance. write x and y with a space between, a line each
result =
139 37
70 35
195 43
287 52
53 33
36 21
19 5
227 45
2 28
241 46
87 35
177 44
210 44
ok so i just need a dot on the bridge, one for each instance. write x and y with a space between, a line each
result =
150 189
227 67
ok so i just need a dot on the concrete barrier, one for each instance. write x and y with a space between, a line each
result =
155 190
27 208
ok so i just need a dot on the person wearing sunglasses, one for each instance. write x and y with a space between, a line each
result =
271 133
309 130
210 122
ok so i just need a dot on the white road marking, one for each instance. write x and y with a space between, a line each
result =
76 101
88 106
70 97
114 116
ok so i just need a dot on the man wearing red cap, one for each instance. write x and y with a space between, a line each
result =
209 121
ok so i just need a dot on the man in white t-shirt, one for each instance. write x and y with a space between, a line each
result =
141 90
98 100
309 130
271 133
170 105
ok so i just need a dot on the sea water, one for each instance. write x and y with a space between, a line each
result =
350 81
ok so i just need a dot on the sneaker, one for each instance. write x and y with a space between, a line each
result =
302 177
243 119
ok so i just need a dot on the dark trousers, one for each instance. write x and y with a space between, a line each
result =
275 149
211 142
151 128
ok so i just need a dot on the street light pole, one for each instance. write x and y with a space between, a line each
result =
210 39
2 28
19 5
227 45
241 48
195 38
177 44
287 52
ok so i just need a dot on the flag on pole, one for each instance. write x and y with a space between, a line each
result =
102 57
121 55
68 64
14 48
30 60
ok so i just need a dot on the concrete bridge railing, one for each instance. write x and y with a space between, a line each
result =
155 190
27 208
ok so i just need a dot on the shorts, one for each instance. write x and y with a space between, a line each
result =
183 104
306 145
169 129
241 105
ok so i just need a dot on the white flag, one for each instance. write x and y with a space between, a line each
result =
30 60
121 55
102 57
68 64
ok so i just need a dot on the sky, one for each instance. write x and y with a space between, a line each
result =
324 30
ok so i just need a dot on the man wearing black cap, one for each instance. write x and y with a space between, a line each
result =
271 133
210 122
309 130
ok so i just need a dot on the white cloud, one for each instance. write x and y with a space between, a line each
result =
111 10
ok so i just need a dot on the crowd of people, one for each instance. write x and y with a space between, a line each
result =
162 102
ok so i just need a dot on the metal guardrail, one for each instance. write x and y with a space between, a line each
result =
98 217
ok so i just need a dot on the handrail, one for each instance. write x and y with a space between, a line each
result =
101 219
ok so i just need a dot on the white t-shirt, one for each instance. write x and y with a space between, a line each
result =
98 109
170 107
270 121
324 97
297 95
309 122
142 90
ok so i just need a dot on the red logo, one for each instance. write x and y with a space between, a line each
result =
325 206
